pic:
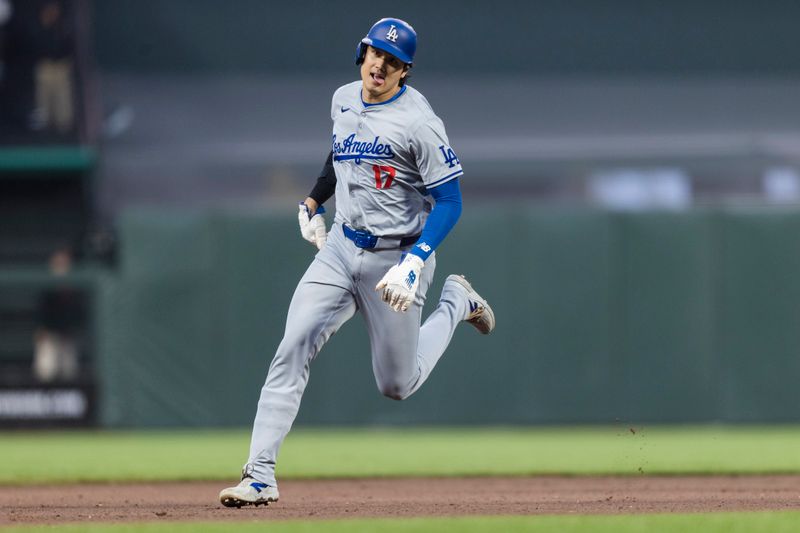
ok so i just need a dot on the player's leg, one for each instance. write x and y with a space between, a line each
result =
316 313
322 302
403 353
400 363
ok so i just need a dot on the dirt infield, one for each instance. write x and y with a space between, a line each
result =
331 499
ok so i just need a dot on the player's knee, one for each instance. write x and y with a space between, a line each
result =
393 394
394 390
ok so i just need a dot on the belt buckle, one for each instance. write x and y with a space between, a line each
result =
363 239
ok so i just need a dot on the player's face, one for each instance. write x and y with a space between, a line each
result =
381 73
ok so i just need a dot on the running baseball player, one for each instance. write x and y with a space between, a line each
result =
395 178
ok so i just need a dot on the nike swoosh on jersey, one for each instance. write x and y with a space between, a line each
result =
345 109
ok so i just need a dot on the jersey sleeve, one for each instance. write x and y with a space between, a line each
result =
436 160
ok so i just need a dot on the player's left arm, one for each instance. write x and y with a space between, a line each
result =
440 168
399 285
441 220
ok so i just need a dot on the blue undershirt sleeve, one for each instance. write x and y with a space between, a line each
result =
442 218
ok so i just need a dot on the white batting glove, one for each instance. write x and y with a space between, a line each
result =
400 283
312 228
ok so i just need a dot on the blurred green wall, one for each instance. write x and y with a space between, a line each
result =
602 317
565 37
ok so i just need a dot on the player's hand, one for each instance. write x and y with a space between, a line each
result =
312 227
399 286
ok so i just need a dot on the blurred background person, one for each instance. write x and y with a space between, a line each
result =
54 48
38 89
5 14
62 318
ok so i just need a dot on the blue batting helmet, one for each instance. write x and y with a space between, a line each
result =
394 36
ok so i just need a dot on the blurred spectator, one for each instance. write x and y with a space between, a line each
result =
54 48
17 79
5 14
62 320
38 74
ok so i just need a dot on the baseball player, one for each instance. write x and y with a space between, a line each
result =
395 178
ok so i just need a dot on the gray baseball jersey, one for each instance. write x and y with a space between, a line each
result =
386 156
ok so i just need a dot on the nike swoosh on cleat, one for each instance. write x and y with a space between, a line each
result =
345 109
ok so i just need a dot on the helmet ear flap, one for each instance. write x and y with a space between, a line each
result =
361 51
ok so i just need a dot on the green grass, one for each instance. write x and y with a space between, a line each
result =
707 523
36 457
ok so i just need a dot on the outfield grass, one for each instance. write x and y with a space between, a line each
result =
707 523
36 457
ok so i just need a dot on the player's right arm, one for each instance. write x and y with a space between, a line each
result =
309 216
325 186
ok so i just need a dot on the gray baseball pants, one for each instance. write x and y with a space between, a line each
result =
340 281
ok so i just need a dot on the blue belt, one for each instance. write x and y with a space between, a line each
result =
368 241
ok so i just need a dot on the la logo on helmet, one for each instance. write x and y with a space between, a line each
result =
392 34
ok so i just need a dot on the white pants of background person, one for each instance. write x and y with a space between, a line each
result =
55 357
54 104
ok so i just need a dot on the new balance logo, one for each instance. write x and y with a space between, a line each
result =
392 34
473 306
410 279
